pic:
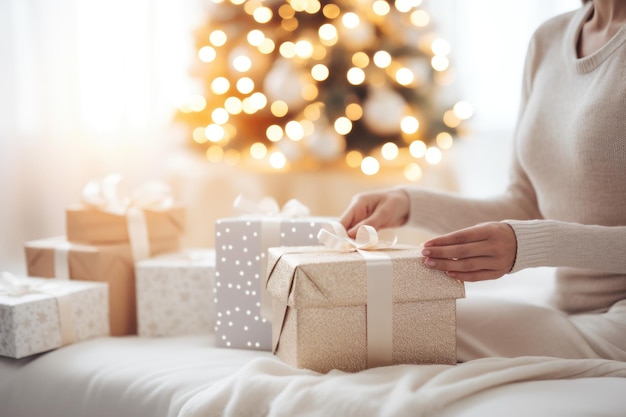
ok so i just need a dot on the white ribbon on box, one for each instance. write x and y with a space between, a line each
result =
104 195
369 244
271 216
12 286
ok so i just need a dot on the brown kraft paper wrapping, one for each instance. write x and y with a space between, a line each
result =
112 264
320 312
90 225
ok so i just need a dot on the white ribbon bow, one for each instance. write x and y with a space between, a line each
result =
15 287
334 236
379 270
104 195
267 206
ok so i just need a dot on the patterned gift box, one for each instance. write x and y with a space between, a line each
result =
335 310
241 244
37 315
175 293
113 264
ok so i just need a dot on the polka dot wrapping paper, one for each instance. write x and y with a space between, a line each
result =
241 245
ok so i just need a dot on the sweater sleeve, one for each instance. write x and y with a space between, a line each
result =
444 212
556 244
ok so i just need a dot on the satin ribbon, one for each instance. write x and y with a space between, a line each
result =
271 216
369 244
12 286
104 195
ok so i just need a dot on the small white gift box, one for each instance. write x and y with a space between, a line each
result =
175 293
38 314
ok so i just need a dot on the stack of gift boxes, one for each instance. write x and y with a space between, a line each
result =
269 284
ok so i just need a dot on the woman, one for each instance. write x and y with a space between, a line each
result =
565 205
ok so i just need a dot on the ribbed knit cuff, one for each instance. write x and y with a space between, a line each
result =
534 243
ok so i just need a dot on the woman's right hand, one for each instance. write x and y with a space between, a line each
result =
379 209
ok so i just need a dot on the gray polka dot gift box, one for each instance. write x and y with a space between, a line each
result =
38 314
243 307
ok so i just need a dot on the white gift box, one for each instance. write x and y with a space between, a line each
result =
241 245
38 314
175 293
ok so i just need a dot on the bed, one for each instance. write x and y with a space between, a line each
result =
189 377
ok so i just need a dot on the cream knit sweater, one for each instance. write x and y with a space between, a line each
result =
567 195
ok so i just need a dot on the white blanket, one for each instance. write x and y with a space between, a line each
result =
268 387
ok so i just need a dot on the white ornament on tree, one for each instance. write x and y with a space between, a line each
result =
383 110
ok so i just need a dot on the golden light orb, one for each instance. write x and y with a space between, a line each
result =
354 111
214 133
233 105
274 133
242 63
207 54
381 7
382 59
390 151
440 62
245 85
319 72
350 20
258 150
417 149
220 85
218 37
278 160
294 130
433 155
255 37
412 172
360 59
262 14
279 108
409 125
354 159
219 116
343 125
370 165
444 140
463 110
355 76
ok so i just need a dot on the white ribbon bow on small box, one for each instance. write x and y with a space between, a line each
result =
104 195
13 286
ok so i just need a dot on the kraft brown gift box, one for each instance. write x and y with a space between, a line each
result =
90 225
104 263
320 314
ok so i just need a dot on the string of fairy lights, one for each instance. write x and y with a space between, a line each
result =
304 84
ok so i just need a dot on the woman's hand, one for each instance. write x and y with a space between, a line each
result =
482 252
379 209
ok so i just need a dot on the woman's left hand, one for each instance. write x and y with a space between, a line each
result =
482 252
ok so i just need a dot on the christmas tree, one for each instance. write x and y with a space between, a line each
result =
305 84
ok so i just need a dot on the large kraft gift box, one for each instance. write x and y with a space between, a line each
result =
175 293
320 309
112 264
90 225
38 315
241 245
